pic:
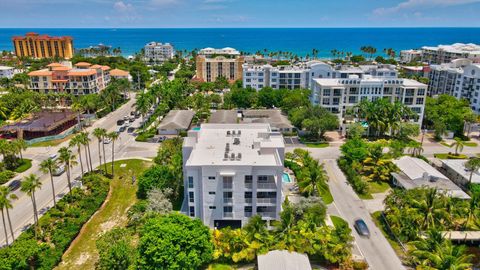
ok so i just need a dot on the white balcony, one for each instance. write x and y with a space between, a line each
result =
266 185
267 214
267 200
228 214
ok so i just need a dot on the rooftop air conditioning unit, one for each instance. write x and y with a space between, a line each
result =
232 156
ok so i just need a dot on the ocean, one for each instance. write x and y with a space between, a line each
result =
300 41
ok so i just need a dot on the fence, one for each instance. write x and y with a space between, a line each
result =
53 137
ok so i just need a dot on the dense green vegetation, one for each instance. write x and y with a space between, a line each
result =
42 246
309 174
418 216
13 161
301 228
447 113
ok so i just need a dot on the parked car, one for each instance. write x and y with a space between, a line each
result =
53 156
162 138
130 130
361 228
120 122
126 117
59 171
107 141
14 185
132 119
122 129
132 113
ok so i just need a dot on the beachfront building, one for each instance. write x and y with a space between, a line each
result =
284 77
339 95
277 120
213 63
407 56
233 172
81 79
443 77
378 71
120 74
446 53
158 52
7 72
43 46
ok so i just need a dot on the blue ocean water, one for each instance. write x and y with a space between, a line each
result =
300 41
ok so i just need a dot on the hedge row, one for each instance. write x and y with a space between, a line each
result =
360 186
57 228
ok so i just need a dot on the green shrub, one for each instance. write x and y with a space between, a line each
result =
5 176
57 228
353 178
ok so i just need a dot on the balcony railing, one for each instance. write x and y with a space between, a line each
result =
248 185
227 185
267 214
248 200
266 200
227 200
227 214
248 214
267 186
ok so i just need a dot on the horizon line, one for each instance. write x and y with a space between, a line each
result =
276 27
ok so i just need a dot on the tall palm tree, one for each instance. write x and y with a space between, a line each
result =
20 145
30 184
86 143
113 136
68 159
49 166
430 208
77 142
99 133
472 165
6 198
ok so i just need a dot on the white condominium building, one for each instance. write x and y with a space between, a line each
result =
158 52
447 53
7 72
284 77
468 86
407 56
379 71
232 172
338 95
443 77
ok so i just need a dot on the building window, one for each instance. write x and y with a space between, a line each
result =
192 211
211 178
419 101
191 197
228 197
421 92
211 193
326 92
212 207
227 182
228 211
190 182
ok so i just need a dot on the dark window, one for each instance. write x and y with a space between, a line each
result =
190 197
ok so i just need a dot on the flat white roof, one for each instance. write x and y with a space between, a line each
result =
458 165
469 48
256 144
368 80
283 260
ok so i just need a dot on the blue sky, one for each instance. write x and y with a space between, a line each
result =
239 13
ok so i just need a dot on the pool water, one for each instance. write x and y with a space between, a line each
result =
196 128
286 178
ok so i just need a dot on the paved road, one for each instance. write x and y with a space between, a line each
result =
376 249
125 147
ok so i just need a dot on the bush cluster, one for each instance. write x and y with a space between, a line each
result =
42 247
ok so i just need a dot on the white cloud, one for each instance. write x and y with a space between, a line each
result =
120 6
159 3
415 4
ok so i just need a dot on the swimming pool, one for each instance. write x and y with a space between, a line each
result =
196 128
286 178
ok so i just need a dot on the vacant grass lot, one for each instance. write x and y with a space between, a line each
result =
82 253
51 143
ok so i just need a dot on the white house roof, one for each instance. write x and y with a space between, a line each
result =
458 165
283 260
176 120
416 173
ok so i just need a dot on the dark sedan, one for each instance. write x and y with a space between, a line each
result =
361 228
14 185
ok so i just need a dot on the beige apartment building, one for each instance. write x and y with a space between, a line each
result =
214 63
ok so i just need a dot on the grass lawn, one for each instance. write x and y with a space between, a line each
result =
378 187
445 144
379 222
448 156
219 266
317 145
51 143
470 144
24 165
367 196
338 221
82 253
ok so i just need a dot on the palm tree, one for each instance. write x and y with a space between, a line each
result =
472 165
458 144
68 159
99 133
77 142
6 199
430 208
20 145
49 166
29 185
86 143
113 136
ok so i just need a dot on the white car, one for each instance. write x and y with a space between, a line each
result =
107 141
